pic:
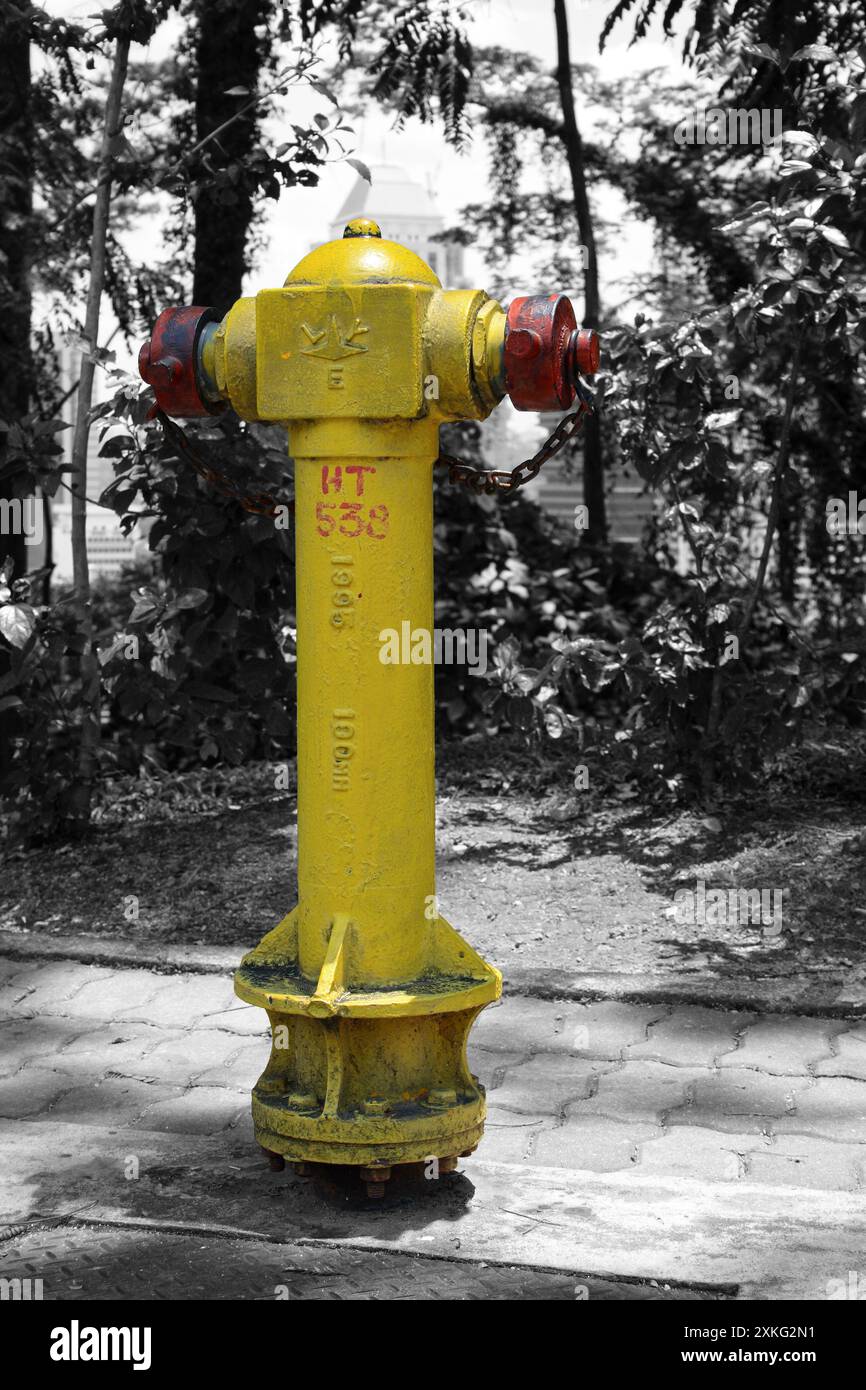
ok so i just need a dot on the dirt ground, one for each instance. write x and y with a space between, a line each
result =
536 879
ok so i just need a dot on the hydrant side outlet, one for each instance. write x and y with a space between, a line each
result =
370 992
169 362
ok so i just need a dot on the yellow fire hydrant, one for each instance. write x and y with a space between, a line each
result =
370 992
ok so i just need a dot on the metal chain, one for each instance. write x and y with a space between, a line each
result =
499 482
259 503
462 474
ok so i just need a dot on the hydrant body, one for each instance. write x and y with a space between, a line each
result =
370 992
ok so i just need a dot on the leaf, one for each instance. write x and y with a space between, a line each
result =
116 446
834 236
721 419
361 168
237 92
204 690
818 52
109 653
752 213
144 608
762 50
50 427
17 623
191 598
775 292
323 91
857 127
801 137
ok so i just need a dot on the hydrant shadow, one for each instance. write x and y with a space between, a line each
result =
414 1197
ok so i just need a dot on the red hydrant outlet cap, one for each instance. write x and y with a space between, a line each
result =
587 351
169 362
545 352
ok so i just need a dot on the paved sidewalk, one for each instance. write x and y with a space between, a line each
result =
77 1264
620 1101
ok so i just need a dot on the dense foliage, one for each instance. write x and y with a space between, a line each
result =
737 394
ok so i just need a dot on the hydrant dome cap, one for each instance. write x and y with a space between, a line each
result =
362 260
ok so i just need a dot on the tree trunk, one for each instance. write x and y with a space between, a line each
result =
593 460
16 208
88 663
788 552
228 55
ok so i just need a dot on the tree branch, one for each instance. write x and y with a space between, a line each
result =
88 665
776 496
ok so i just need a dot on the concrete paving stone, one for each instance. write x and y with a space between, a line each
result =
30 1093
744 1100
180 1001
22 979
639 1092
239 1018
112 1102
538 1025
605 1029
704 1154
195 1056
509 1138
115 996
785 1045
201 1110
122 1049
799 1160
523 1026
8 970
592 1143
850 1059
242 1066
691 1037
44 988
491 1067
25 1040
545 1084
832 1107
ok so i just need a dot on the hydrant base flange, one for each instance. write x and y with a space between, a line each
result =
345 1155
372 1075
